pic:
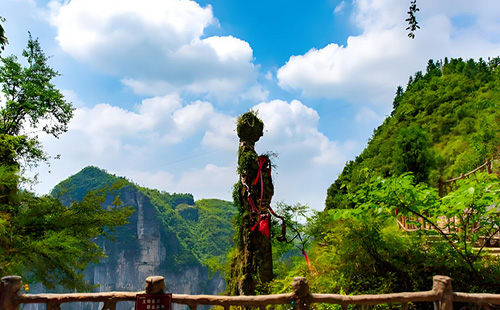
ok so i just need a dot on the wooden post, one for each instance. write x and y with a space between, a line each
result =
155 285
10 288
489 166
442 286
109 305
301 293
53 305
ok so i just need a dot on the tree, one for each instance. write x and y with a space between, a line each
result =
41 239
397 100
31 100
252 266
46 242
413 152
467 217
3 38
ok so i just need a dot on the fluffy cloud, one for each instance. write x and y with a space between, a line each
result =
156 46
168 144
154 134
372 64
308 161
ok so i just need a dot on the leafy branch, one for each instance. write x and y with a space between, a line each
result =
412 19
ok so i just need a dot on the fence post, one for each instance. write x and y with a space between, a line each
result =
301 293
442 286
10 288
155 285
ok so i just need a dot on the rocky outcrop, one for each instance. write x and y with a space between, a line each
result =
158 240
145 247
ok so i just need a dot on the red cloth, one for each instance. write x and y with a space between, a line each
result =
264 225
307 260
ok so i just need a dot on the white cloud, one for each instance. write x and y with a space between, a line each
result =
111 132
210 182
156 46
372 64
308 161
171 145
339 9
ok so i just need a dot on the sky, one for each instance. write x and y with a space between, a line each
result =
157 84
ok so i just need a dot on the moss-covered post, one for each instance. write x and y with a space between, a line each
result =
252 265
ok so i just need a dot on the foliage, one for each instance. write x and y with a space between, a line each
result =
31 101
198 232
88 179
455 106
3 38
412 19
41 239
445 123
361 250
459 220
413 153
44 241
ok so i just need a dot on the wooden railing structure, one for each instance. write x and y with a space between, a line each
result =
441 295
405 223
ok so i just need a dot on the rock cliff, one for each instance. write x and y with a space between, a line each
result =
158 240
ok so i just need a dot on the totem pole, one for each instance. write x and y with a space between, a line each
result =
252 265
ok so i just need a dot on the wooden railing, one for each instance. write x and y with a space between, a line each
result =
441 295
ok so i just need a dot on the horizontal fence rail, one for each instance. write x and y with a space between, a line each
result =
441 295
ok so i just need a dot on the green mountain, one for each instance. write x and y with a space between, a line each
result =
446 122
169 234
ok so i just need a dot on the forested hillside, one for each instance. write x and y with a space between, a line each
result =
168 234
445 123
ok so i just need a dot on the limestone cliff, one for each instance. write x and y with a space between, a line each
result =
158 240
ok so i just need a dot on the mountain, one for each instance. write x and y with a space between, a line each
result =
446 122
168 234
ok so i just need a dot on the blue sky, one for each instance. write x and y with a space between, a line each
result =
158 83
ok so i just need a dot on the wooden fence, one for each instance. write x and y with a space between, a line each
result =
441 295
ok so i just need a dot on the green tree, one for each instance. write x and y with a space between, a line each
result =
463 219
413 153
397 100
46 242
31 100
41 239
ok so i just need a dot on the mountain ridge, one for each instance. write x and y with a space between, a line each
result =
168 234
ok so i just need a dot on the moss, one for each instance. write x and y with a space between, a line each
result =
249 127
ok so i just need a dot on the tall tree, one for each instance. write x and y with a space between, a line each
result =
31 101
413 152
41 239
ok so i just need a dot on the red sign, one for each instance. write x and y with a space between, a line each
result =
153 302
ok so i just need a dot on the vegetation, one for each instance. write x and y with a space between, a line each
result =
444 124
3 38
31 101
44 241
41 239
202 229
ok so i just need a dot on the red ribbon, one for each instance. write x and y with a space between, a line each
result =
307 260
263 224
262 160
